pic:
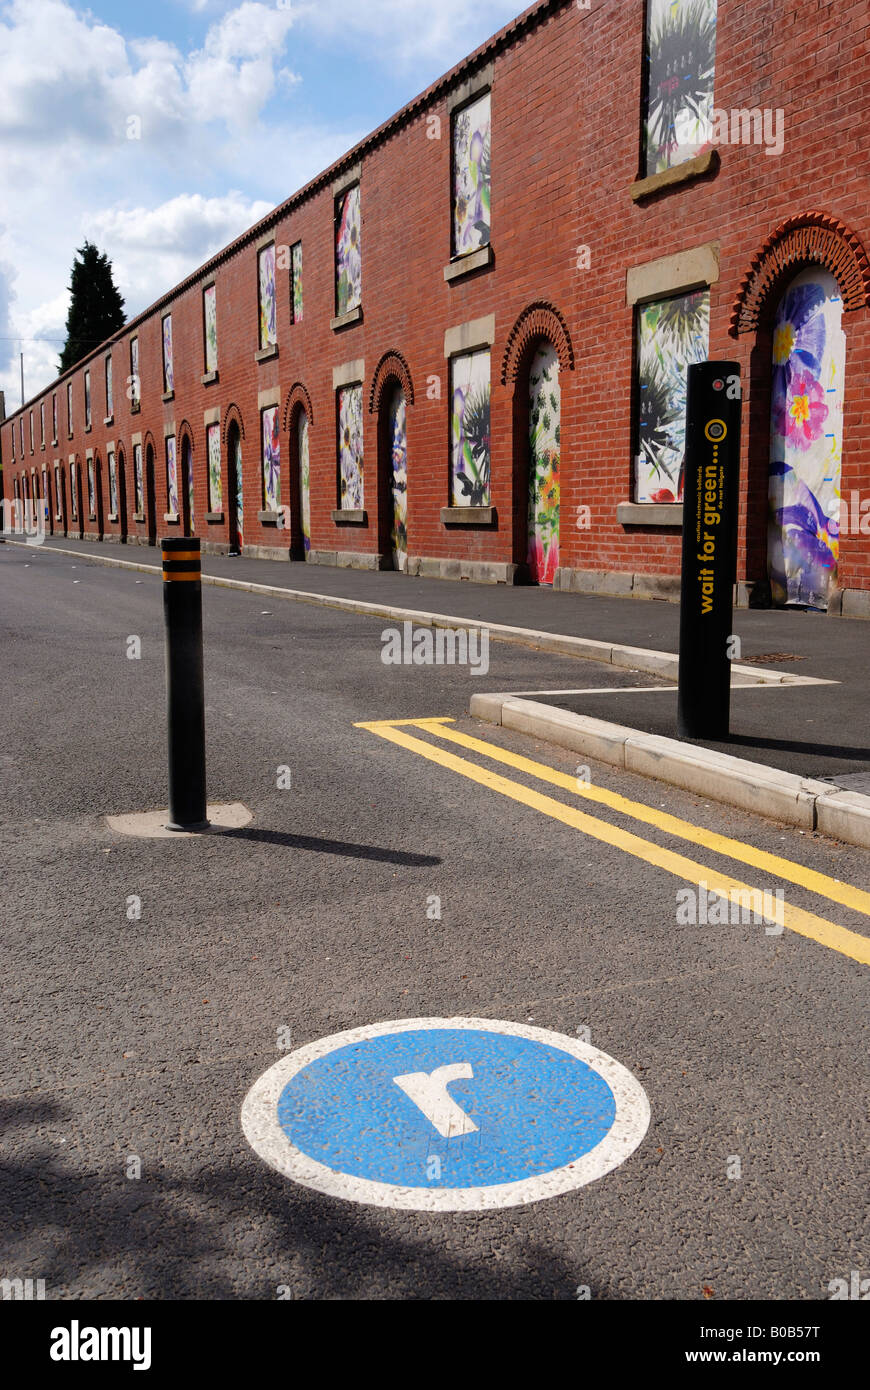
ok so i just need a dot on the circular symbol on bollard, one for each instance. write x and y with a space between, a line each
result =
716 431
457 1114
718 384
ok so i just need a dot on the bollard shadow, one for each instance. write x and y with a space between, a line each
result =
337 847
786 745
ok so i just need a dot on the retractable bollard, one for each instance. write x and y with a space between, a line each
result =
710 505
185 691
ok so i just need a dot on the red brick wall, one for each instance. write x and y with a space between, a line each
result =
566 109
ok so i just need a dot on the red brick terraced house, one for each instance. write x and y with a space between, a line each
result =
461 351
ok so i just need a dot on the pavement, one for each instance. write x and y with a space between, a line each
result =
131 1043
817 731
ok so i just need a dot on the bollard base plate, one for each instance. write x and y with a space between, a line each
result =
193 828
156 825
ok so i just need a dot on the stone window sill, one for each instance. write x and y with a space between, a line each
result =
267 353
468 516
671 178
171 518
167 397
471 261
268 518
138 516
215 517
42 448
113 516
109 420
347 516
135 407
87 431
209 378
650 514
345 320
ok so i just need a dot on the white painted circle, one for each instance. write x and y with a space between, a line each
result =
268 1139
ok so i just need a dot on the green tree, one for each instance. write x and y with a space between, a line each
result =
96 308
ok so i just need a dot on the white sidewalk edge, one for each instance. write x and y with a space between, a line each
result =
766 791
664 664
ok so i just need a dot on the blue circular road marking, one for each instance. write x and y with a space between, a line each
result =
445 1114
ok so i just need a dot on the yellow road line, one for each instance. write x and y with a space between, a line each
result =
787 869
848 943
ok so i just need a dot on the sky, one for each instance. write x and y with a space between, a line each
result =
162 130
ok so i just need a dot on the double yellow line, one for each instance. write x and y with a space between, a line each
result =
848 943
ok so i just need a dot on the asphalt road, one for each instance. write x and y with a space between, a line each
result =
140 1038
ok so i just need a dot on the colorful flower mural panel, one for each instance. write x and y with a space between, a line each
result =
348 253
87 408
113 485
672 335
681 66
134 371
215 485
171 477
545 425
350 448
296 281
304 479
168 369
110 405
808 378
271 459
210 313
472 176
470 429
268 297
92 502
138 486
398 436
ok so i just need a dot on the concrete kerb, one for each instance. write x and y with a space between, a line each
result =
766 791
664 664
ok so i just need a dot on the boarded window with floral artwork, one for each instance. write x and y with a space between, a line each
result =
304 478
87 403
681 63
268 300
54 418
110 405
134 391
58 499
672 335
73 492
171 477
472 184
168 367
350 448
348 253
470 430
92 499
271 460
138 485
42 424
209 308
296 305
215 485
113 484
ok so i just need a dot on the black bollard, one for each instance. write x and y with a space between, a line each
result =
185 691
710 509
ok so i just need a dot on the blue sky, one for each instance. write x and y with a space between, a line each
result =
236 103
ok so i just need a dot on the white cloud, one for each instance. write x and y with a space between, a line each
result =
407 31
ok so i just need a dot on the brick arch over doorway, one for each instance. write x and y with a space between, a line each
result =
810 238
538 321
391 368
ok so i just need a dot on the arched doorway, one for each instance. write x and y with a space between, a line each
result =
302 435
544 426
806 441
151 495
235 495
187 512
393 479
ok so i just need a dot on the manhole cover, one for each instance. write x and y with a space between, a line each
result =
770 657
851 781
